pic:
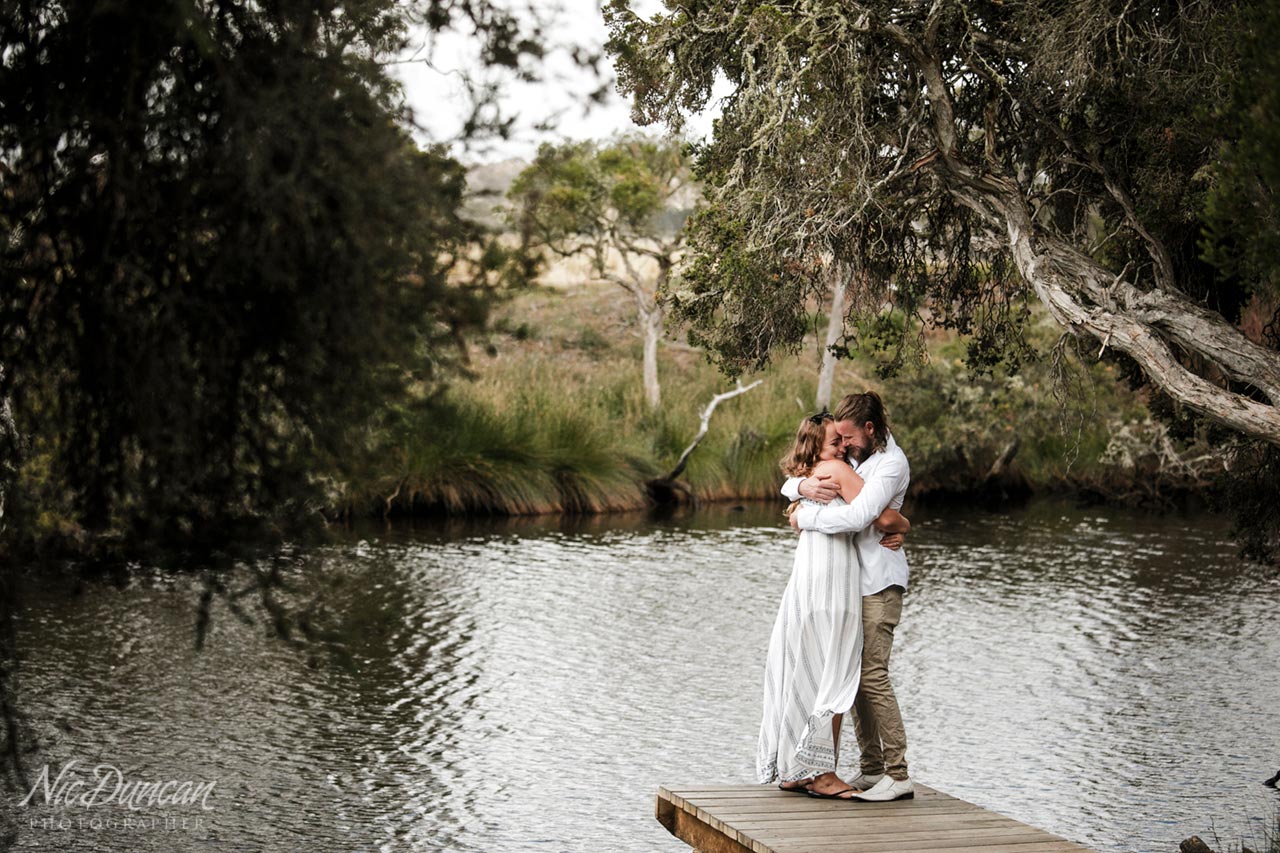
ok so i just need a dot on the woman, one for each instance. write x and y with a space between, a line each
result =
811 676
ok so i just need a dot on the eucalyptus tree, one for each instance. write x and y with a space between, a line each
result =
622 205
969 155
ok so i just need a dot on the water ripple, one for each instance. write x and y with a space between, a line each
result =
506 687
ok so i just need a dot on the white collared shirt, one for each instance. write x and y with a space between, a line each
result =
886 476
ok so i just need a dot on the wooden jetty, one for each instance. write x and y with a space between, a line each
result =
763 819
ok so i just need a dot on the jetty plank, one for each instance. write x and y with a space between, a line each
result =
763 819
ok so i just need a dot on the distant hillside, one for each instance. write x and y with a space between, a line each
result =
486 202
487 186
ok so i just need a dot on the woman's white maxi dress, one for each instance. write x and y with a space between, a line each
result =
815 657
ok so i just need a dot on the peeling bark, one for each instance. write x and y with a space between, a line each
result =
1137 324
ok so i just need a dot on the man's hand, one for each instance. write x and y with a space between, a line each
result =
892 541
821 488
794 520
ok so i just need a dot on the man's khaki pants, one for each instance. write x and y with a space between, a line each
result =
876 717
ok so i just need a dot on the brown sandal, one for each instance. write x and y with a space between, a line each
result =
846 794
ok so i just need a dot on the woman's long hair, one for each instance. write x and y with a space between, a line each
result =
803 455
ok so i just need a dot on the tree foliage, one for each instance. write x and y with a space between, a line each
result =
622 204
1242 208
224 260
223 256
967 156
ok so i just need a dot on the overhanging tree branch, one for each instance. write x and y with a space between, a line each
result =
968 155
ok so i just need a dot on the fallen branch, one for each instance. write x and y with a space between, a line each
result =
386 512
1001 463
706 422
1003 482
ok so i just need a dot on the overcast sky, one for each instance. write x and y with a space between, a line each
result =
436 93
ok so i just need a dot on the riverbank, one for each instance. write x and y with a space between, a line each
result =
553 419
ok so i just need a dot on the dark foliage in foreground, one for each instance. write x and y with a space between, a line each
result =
223 256
223 259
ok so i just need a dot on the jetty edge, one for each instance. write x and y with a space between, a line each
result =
763 819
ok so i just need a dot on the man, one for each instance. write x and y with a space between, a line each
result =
862 423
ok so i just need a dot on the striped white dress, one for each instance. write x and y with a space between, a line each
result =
815 656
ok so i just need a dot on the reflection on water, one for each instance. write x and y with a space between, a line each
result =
498 687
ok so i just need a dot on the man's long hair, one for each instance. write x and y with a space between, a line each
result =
864 407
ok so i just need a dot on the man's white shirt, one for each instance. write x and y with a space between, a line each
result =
885 475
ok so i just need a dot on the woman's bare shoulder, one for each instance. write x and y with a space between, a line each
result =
842 474
836 468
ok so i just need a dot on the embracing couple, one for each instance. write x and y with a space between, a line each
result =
829 651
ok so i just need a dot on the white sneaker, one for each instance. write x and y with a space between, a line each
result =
888 789
865 781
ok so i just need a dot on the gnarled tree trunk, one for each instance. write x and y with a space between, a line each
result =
1154 327
1147 326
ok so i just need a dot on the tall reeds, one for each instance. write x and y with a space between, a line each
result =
461 456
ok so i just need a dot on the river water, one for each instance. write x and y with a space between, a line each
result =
1107 676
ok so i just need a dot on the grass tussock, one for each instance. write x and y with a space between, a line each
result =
527 457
